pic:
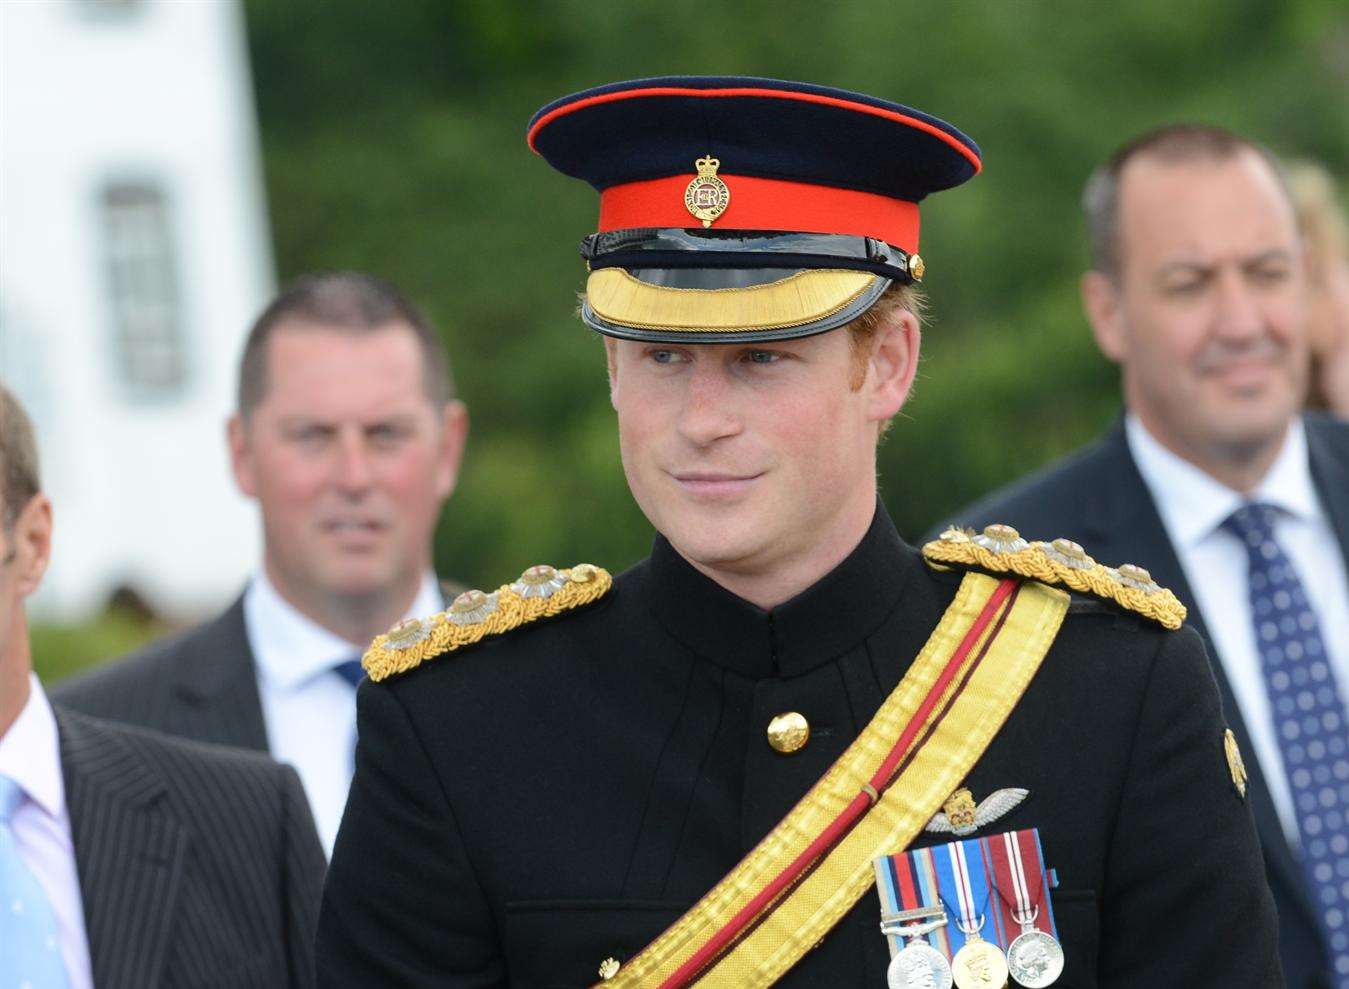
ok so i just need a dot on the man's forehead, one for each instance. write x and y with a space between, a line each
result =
327 373
1203 205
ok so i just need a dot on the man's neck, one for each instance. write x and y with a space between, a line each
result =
1240 467
770 583
357 618
15 662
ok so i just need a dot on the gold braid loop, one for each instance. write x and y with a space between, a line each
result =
1061 563
475 616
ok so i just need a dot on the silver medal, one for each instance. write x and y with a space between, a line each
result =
1035 959
918 966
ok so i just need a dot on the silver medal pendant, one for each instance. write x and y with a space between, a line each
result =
1035 959
918 966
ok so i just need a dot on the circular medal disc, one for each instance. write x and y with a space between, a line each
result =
1035 960
979 965
919 966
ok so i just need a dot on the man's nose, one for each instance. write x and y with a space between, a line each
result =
709 414
354 470
1238 313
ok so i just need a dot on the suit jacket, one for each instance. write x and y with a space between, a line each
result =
201 684
1098 498
528 806
198 866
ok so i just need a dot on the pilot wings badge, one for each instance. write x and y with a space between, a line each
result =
960 816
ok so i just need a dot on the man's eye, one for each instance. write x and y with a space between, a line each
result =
309 434
665 356
763 357
1270 276
1188 287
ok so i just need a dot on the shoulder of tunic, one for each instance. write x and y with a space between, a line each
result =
1000 550
538 593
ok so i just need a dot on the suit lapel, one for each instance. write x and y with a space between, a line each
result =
1330 474
1133 530
129 856
217 680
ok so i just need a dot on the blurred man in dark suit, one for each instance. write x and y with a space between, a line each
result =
129 860
348 435
1219 486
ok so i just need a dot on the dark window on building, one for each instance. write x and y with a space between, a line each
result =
109 9
144 291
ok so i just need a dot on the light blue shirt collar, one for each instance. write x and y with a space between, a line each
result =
291 649
1193 504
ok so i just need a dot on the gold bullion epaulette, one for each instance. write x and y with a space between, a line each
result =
999 549
539 592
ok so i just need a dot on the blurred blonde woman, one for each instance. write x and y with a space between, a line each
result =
1327 237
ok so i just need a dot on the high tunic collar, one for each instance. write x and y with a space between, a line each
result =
829 618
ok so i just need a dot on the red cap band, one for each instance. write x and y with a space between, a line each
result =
764 204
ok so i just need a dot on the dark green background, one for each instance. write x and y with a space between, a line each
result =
393 141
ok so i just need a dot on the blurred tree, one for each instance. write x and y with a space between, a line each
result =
393 141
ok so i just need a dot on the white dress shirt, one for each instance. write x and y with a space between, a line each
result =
309 710
1193 507
30 755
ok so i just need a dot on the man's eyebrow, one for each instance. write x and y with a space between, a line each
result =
1203 267
1273 254
1183 267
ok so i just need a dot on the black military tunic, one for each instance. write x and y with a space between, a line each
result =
529 806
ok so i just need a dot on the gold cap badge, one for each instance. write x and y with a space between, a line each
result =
1234 763
707 197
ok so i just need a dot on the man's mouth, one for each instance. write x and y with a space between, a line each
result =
714 484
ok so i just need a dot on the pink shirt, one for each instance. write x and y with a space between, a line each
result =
30 755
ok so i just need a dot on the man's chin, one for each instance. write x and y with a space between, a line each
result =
358 583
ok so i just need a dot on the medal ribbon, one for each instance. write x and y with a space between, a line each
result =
964 890
1020 881
910 882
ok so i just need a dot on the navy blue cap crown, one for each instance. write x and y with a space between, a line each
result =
768 128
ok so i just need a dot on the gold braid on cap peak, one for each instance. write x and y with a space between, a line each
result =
999 549
539 592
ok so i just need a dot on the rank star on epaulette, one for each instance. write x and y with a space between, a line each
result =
999 549
539 592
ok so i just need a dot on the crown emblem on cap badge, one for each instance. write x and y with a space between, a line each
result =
707 197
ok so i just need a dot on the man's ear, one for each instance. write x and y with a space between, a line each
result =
32 543
892 365
241 455
453 437
1101 301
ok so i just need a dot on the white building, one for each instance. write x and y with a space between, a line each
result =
134 252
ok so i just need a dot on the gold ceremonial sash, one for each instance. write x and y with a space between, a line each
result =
971 708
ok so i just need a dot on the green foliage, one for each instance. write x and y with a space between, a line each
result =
60 651
393 140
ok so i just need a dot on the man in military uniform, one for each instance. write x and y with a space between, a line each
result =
683 775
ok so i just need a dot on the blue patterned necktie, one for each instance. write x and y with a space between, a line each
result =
30 953
1309 719
350 670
